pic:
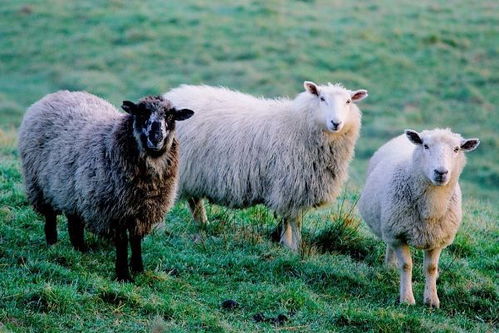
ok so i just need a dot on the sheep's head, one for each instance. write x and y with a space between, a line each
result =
439 153
154 121
333 104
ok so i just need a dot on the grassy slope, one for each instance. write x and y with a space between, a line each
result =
425 64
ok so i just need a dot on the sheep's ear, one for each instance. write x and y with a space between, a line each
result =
413 136
311 87
470 144
358 95
183 114
129 107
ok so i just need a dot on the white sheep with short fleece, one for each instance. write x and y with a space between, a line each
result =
412 197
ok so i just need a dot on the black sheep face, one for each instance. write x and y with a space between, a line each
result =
154 121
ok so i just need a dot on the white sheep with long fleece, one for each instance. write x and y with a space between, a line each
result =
412 197
288 154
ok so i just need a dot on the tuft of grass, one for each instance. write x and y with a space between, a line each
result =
342 235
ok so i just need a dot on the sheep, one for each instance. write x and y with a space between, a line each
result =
290 155
108 171
412 197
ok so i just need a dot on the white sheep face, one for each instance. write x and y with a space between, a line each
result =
334 104
439 154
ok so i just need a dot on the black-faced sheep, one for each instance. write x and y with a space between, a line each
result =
107 171
412 198
290 155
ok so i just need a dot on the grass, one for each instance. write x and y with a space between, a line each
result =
425 64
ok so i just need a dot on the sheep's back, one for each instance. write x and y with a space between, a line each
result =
394 151
214 101
57 134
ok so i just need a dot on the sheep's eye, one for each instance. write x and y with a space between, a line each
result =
323 99
349 101
426 146
456 149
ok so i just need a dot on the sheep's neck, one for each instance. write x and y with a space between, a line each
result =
432 201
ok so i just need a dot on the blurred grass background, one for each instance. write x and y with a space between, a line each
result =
425 63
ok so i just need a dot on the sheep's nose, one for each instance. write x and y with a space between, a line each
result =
335 125
441 172
158 136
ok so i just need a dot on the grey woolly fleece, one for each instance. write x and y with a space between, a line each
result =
79 157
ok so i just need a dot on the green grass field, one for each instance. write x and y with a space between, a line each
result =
426 64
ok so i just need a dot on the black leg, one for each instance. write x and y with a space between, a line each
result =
51 227
275 236
136 245
121 242
76 232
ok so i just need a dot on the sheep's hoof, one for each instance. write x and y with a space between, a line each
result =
124 278
434 304
407 301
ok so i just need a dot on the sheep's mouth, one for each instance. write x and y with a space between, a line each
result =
334 130
439 181
154 150
154 146
155 153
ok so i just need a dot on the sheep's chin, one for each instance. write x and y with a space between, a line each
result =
439 183
333 132
154 147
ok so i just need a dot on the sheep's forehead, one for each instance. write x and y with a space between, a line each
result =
335 91
157 107
155 104
441 136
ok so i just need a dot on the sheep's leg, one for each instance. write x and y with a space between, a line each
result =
121 242
76 232
51 227
405 265
136 263
198 211
291 233
275 235
390 258
431 258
